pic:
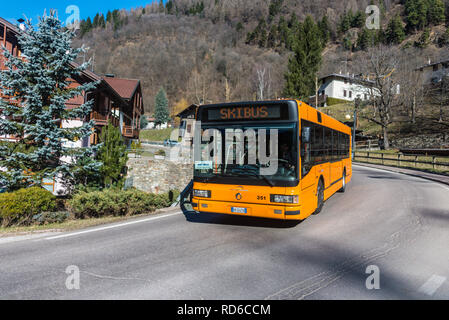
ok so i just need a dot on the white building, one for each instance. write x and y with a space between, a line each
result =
344 88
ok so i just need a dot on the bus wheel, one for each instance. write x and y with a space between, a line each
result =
343 188
320 196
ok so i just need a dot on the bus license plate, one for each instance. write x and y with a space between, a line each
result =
239 210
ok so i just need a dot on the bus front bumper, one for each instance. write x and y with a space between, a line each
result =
280 212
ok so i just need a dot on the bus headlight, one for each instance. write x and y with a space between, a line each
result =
278 198
202 193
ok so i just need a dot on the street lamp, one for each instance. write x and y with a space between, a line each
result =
357 102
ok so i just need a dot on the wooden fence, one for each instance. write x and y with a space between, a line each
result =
434 163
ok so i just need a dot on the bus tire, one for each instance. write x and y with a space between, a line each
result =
320 197
343 188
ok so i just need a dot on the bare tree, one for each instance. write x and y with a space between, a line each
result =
439 94
263 82
381 64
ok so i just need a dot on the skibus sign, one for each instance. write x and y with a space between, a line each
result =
245 113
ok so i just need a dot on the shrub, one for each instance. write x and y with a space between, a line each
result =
160 153
50 217
18 208
113 202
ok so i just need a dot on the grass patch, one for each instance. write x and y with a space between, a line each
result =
156 135
69 225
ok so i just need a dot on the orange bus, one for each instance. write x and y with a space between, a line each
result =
313 159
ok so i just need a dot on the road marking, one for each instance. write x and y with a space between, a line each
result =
111 227
432 285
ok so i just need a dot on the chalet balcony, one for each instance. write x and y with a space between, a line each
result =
130 132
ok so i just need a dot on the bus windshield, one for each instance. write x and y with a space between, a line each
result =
234 162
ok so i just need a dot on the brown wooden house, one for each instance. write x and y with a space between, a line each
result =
116 100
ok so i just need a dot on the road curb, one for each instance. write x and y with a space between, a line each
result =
413 173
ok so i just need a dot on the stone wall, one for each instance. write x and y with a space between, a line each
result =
158 176
423 141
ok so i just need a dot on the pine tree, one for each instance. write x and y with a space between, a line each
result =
345 23
271 42
416 12
444 39
39 89
161 112
325 30
358 20
169 7
96 21
395 32
365 39
114 157
436 12
304 65
109 17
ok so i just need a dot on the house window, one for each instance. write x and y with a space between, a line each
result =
345 93
350 94
435 67
366 96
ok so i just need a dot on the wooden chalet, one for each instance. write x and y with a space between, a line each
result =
116 100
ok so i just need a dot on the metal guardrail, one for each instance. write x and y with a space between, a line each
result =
401 159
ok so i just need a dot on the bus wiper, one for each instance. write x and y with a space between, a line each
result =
254 174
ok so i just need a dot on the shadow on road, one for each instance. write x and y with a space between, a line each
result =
435 214
221 219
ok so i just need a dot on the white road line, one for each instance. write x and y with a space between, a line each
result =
432 285
111 227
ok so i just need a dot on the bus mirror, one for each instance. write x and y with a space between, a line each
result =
306 134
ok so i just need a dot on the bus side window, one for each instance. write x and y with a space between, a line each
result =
328 144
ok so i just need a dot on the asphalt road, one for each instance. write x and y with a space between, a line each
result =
399 224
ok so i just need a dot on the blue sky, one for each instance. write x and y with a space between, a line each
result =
15 9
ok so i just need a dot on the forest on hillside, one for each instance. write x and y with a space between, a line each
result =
205 51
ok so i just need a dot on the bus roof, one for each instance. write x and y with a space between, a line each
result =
305 111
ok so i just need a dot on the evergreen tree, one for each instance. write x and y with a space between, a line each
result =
109 17
39 89
436 12
161 112
101 21
395 32
96 21
358 20
325 30
271 42
345 23
113 155
416 12
169 7
304 65
283 30
143 122
444 39
365 39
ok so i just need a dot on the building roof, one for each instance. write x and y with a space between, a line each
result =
349 77
124 87
188 112
432 64
9 25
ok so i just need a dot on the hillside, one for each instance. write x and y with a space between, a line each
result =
210 51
